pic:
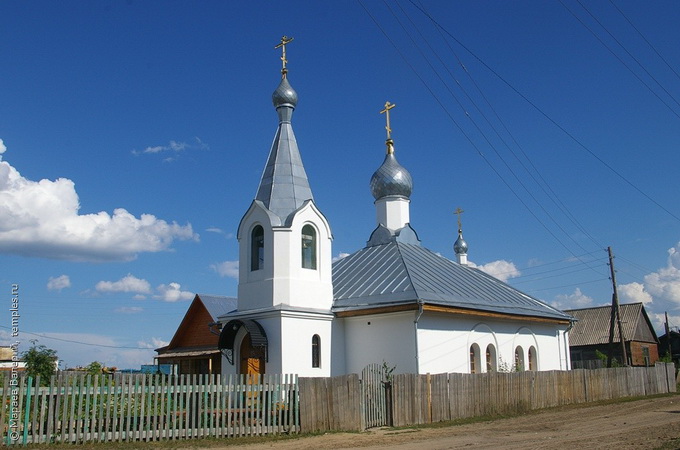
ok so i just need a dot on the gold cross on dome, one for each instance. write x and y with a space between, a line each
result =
282 45
386 111
458 212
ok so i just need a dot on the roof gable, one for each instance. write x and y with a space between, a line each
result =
593 325
398 273
193 330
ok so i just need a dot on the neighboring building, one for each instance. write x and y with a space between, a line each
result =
591 334
393 301
669 344
193 348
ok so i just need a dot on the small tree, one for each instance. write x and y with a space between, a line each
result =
40 360
94 368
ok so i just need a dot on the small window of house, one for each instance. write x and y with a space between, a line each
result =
645 355
491 358
533 361
257 248
308 247
519 359
316 351
474 359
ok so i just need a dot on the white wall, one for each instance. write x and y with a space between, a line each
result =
283 280
378 338
444 342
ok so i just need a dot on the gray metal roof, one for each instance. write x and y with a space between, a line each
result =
593 324
284 186
399 273
218 305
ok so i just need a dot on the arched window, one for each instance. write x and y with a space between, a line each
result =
533 360
491 358
519 359
316 351
308 247
257 248
474 359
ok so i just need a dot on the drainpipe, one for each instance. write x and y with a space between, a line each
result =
566 346
415 326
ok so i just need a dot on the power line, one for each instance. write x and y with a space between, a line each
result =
79 342
550 119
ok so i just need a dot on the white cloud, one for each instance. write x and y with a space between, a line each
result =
41 219
129 309
58 283
174 148
501 269
172 293
577 300
226 269
128 283
3 148
634 293
340 256
664 284
154 343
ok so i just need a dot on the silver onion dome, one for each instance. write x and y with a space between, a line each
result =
460 246
285 95
391 178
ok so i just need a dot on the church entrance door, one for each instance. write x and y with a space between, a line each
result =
252 361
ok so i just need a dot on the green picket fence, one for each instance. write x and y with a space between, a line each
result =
83 408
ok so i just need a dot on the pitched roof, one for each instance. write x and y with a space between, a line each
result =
593 325
399 273
218 304
284 186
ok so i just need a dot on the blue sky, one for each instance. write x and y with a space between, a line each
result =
134 135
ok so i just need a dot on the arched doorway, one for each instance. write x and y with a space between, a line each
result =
252 358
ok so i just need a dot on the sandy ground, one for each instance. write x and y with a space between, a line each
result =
642 424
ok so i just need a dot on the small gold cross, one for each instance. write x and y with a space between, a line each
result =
386 111
284 40
458 212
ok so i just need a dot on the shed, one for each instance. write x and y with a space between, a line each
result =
590 334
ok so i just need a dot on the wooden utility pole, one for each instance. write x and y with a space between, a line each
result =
616 312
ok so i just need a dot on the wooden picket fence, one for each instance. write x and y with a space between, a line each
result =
411 399
82 408
419 399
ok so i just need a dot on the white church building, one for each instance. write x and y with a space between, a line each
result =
393 300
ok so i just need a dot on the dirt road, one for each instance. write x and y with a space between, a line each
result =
642 424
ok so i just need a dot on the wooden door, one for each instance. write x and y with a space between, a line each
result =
252 363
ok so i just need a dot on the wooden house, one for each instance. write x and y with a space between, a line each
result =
193 348
591 334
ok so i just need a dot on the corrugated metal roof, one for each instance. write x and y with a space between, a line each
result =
398 273
284 186
218 304
593 324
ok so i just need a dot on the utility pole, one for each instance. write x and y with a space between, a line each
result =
616 312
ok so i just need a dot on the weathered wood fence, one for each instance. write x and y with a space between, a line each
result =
419 399
82 408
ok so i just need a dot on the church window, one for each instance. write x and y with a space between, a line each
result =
532 358
491 358
257 248
474 359
308 247
519 359
316 351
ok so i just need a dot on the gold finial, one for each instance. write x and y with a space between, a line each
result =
282 45
458 212
386 111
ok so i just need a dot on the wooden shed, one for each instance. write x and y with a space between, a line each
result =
591 334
